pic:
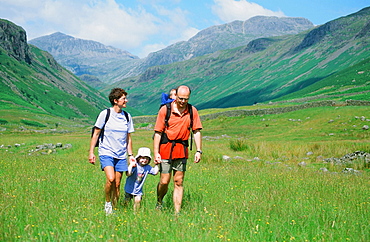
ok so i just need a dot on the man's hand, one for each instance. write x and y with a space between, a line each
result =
157 158
197 157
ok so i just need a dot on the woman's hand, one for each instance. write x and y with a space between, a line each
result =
92 158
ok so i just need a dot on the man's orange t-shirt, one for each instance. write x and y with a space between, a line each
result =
178 130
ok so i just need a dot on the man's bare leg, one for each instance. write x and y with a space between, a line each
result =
178 191
162 188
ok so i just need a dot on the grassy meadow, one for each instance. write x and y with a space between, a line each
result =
259 194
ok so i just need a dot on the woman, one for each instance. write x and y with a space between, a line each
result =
115 145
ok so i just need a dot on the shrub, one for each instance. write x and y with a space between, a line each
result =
239 145
3 121
33 123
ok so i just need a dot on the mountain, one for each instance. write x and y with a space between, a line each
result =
225 36
31 80
263 70
87 57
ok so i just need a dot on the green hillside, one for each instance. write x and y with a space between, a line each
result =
32 83
264 70
351 83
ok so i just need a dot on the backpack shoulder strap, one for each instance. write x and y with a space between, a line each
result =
190 107
126 115
168 114
107 116
102 129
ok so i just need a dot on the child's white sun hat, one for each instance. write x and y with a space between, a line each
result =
143 151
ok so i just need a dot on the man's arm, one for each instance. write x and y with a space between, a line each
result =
156 144
198 145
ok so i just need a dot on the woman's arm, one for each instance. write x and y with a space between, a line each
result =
129 148
93 141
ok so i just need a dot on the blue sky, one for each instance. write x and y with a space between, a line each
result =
144 26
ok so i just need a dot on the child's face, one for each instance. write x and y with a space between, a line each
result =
143 160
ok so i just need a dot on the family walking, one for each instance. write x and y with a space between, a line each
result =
112 134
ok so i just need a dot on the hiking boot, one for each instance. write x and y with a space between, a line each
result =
108 208
159 206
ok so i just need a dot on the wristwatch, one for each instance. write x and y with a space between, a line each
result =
199 151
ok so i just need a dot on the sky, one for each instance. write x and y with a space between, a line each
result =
144 26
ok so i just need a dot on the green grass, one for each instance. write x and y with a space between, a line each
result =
59 197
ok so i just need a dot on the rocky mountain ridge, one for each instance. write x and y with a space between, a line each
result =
85 57
228 36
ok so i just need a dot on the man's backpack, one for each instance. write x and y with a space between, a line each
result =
101 136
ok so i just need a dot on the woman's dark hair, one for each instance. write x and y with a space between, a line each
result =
115 94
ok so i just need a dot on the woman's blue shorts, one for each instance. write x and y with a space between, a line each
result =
120 165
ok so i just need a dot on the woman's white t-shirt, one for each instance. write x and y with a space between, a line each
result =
114 142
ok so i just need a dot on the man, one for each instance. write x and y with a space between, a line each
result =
172 154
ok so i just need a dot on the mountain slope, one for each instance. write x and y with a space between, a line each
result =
32 80
352 82
264 70
86 57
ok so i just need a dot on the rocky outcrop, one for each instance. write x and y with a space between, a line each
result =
13 39
150 74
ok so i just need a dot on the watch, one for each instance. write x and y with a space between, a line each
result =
199 151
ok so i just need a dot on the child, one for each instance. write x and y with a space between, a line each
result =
167 98
136 175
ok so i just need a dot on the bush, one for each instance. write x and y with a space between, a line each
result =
239 145
3 121
33 123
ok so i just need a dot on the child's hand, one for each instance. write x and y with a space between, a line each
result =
132 163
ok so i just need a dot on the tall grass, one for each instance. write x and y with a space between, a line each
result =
59 197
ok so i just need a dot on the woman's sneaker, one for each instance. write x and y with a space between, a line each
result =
108 208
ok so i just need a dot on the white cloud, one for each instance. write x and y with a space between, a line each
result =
230 10
184 35
104 21
151 48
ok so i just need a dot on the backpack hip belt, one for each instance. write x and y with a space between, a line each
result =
165 140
